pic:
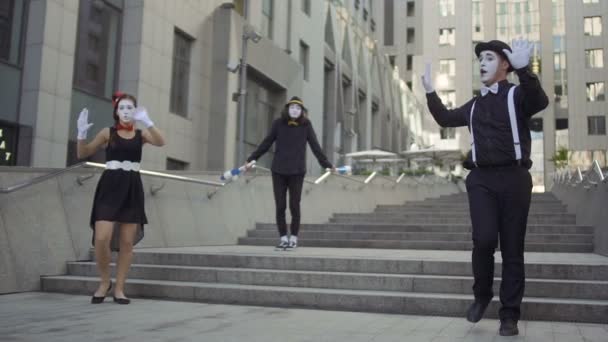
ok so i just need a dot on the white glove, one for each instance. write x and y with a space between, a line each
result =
520 57
427 83
83 124
141 115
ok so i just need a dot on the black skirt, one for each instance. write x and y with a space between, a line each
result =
119 198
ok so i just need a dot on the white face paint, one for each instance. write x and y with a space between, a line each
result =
125 110
488 66
295 111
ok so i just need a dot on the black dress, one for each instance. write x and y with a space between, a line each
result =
119 196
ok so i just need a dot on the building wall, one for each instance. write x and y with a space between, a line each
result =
206 136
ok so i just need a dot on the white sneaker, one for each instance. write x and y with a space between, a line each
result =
283 243
293 242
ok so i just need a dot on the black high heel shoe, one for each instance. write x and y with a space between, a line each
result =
123 301
99 300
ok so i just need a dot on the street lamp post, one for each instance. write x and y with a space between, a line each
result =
248 33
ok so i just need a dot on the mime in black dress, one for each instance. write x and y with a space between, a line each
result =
120 194
118 214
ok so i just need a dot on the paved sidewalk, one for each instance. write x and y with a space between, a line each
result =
57 317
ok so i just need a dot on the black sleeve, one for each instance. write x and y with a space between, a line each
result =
316 148
266 143
448 117
530 96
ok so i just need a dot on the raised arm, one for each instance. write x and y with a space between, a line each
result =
443 116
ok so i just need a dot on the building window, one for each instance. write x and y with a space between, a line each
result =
447 67
593 26
591 1
447 133
305 59
180 77
267 17
306 7
409 61
97 51
596 125
446 7
411 8
389 22
448 98
595 91
177 165
447 36
411 35
11 28
594 58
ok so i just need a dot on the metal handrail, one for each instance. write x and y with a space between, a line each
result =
80 180
166 176
39 179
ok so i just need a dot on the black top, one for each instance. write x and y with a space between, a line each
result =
290 154
122 149
491 123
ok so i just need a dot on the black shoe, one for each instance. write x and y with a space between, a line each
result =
99 300
508 327
476 310
123 301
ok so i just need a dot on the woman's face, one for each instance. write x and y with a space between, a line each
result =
125 111
295 111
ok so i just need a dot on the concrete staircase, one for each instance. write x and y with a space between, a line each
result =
561 286
438 224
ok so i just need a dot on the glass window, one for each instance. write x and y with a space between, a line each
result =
411 35
306 7
267 17
304 59
11 26
595 91
447 36
97 51
180 76
446 7
593 26
448 98
596 125
411 8
409 62
447 67
174 164
594 58
447 133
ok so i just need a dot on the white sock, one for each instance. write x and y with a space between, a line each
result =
293 238
284 238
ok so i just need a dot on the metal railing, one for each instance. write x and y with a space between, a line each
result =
592 177
80 180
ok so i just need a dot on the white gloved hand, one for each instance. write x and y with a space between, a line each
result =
520 57
83 124
427 83
141 115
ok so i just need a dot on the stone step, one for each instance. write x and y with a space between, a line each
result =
446 228
418 236
456 215
433 245
421 262
549 288
560 309
456 209
418 219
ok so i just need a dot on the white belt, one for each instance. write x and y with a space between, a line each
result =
122 165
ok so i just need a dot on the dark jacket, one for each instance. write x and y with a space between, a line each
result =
491 124
290 139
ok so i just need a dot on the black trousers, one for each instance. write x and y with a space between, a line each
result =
280 185
499 200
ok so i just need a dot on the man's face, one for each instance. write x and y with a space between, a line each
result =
489 62
125 110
